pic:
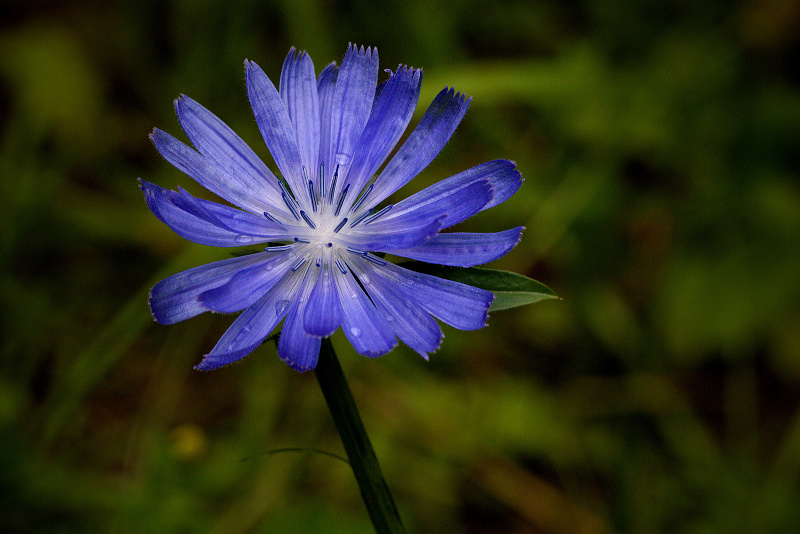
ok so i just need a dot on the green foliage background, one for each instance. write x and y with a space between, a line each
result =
659 142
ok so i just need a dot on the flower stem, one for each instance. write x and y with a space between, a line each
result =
374 490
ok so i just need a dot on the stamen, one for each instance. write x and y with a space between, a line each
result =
361 199
290 201
301 240
360 218
372 218
341 266
299 263
333 186
367 256
278 248
341 199
271 218
339 226
375 259
322 181
311 194
308 221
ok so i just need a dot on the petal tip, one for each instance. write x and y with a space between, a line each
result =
300 367
208 364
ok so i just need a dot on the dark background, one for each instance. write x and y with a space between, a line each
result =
659 142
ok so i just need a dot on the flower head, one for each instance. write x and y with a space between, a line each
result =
323 223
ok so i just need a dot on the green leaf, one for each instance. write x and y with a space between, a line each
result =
510 289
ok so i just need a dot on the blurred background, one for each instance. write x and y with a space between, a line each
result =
659 142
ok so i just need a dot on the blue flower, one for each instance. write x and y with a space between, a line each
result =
323 223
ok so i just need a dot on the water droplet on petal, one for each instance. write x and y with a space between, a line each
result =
280 307
365 280
243 239
355 331
389 319
343 159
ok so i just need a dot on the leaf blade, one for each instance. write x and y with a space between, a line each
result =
511 290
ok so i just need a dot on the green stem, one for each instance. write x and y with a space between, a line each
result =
374 490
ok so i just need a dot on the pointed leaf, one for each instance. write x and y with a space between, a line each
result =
510 289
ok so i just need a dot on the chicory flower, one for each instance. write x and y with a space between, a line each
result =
324 222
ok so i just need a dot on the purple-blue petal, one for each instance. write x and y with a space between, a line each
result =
298 89
241 222
223 147
459 305
171 209
409 321
296 347
240 189
276 127
463 249
458 204
206 222
326 85
322 315
352 102
246 286
389 118
365 328
174 299
502 176
424 144
252 326
395 236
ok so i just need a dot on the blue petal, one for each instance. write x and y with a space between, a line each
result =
389 118
240 189
222 147
246 286
326 86
424 143
352 102
299 92
174 299
252 326
276 128
502 176
407 215
410 322
364 326
463 249
238 221
393 237
459 305
296 347
189 220
322 315
206 222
